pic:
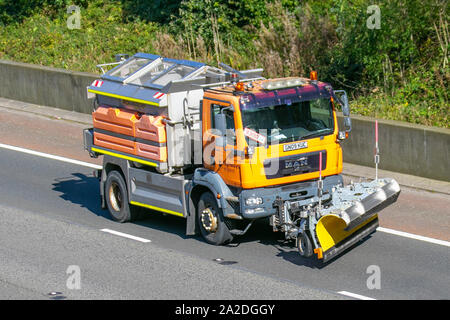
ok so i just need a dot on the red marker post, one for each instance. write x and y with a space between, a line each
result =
376 131
320 165
320 182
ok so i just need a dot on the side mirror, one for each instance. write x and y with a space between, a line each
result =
345 106
348 123
341 97
343 101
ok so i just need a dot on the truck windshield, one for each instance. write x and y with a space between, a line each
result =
288 122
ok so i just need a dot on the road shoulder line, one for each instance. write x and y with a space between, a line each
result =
414 236
354 295
95 166
50 156
125 235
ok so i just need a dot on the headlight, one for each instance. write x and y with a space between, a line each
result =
253 201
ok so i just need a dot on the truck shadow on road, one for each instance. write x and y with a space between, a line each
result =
82 190
163 222
287 250
263 234
259 235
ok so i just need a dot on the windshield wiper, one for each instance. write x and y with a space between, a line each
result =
316 134
288 139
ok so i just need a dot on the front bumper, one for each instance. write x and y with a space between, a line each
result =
291 192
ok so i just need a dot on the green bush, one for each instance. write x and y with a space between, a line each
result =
400 71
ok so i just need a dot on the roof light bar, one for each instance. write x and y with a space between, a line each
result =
281 84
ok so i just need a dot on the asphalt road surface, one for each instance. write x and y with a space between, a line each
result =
53 243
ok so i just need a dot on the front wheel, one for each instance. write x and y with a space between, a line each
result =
304 245
211 221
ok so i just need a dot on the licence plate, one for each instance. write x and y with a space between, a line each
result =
295 146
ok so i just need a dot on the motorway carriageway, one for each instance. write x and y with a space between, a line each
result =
51 219
44 186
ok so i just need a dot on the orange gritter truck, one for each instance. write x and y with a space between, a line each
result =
223 148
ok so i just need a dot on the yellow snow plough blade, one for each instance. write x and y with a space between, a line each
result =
340 229
331 231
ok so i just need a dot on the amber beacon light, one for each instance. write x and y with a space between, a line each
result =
313 75
239 86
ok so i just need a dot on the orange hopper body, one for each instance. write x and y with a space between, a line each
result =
131 133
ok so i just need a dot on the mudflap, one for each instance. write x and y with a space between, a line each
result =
338 230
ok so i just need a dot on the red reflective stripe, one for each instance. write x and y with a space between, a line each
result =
158 95
97 83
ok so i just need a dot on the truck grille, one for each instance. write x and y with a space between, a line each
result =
294 165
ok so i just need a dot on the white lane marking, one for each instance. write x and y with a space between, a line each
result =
125 235
354 295
414 236
50 156
95 166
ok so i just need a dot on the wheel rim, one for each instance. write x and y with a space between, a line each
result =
302 245
209 220
115 196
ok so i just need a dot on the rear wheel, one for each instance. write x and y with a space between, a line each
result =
117 198
211 221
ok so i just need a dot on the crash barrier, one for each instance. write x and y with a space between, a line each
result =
45 86
406 148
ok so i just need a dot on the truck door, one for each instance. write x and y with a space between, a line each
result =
215 156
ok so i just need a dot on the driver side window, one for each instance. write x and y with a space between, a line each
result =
216 109
320 113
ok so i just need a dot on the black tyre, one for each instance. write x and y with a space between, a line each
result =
211 221
116 196
304 245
